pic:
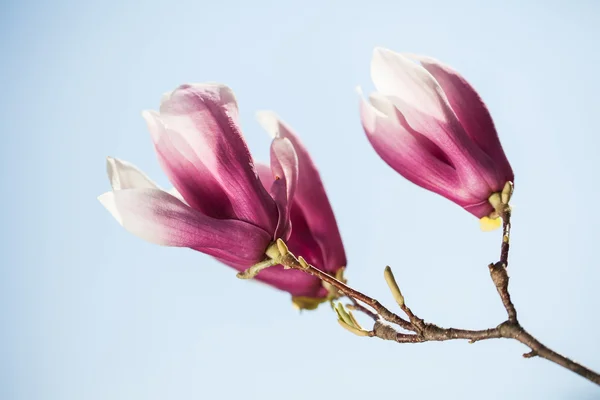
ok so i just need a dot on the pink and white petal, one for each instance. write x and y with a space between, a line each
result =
474 168
271 123
423 103
399 146
185 170
206 117
311 198
470 109
175 193
480 210
284 165
395 75
124 175
160 218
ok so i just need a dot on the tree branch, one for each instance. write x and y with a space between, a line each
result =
498 270
421 331
359 307
415 329
290 261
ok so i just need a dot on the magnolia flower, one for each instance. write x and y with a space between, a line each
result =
315 235
218 206
429 124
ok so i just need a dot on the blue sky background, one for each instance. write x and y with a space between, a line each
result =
89 311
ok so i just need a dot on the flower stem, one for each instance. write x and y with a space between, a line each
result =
256 268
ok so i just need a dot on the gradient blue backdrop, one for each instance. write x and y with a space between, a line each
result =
89 311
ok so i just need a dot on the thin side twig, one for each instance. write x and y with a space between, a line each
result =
498 270
290 261
359 307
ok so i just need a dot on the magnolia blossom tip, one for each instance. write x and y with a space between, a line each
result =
359 91
375 108
111 166
148 116
165 96
108 201
380 50
206 87
415 57
382 54
381 105
269 121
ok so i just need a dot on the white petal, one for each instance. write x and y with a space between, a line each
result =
155 125
165 97
383 105
269 121
377 107
397 76
175 193
123 175
108 200
420 58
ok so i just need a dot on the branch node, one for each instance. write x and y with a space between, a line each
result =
500 278
531 354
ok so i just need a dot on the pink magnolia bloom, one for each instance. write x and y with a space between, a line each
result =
429 124
218 206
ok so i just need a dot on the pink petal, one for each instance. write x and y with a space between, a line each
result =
284 165
470 110
475 170
265 174
480 210
302 241
404 149
160 218
206 118
185 170
295 282
313 211
416 158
